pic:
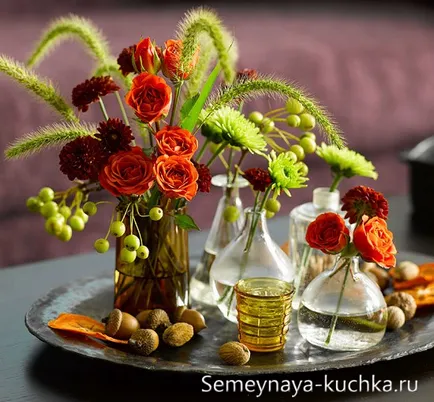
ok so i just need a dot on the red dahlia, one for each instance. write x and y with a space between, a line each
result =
363 200
247 74
125 60
204 180
114 135
82 158
259 178
90 90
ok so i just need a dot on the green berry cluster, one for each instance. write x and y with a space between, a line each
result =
133 246
60 221
272 207
294 115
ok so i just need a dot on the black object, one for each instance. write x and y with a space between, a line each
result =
421 164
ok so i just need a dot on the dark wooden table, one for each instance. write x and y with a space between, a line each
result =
32 371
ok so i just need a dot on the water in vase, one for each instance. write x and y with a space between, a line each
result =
352 331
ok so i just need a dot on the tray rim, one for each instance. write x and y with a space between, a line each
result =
145 364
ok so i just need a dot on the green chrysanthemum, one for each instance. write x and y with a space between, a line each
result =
285 172
346 162
237 130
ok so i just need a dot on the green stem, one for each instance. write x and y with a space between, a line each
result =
103 109
175 102
337 179
266 195
229 166
335 317
121 106
202 150
237 170
217 153
275 111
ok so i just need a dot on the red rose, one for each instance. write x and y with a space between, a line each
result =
171 58
127 173
150 97
146 57
176 177
375 242
176 141
328 233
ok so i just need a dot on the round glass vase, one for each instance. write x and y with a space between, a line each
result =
161 280
309 262
342 309
251 254
221 233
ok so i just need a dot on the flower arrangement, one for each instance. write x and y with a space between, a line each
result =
371 240
172 94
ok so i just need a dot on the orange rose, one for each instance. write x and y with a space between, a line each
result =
146 56
176 177
171 56
150 97
375 242
328 233
176 141
127 173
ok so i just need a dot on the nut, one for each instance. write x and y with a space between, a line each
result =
381 274
234 353
395 317
144 341
178 334
404 301
194 318
178 312
142 317
121 325
406 271
158 320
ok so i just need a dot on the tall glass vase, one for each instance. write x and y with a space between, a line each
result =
223 230
161 280
309 262
252 254
342 309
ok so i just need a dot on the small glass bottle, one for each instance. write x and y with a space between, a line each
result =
251 254
221 233
308 262
342 309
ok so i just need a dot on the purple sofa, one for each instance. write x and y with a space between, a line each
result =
375 74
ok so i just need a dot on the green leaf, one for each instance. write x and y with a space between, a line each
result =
190 121
186 222
187 106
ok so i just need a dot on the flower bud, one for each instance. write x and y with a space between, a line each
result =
171 61
146 56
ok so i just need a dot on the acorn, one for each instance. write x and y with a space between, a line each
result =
158 320
178 334
178 313
144 341
234 353
194 318
121 325
142 317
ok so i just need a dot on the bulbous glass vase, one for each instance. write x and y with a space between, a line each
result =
251 254
223 230
342 309
309 262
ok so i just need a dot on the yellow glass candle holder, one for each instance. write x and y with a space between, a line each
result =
264 307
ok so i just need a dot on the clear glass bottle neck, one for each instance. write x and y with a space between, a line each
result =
255 221
342 263
323 199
